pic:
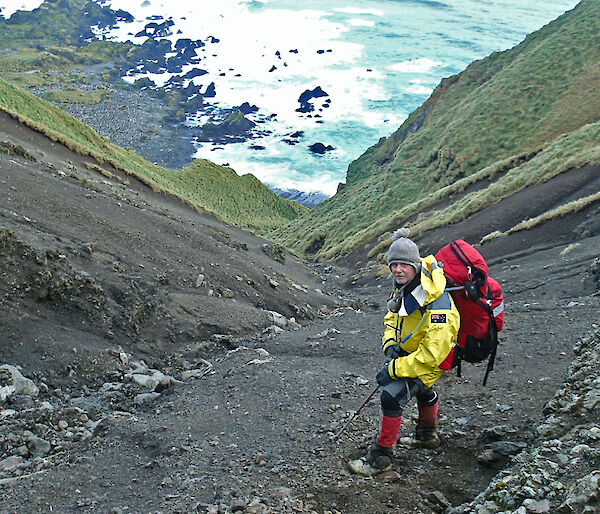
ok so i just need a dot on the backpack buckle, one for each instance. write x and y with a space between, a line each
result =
471 290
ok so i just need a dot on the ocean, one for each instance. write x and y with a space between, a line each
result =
375 62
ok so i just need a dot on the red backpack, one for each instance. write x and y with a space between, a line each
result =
479 301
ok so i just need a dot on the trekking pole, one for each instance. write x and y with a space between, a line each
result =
356 413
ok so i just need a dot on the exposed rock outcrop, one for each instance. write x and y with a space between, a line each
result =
559 471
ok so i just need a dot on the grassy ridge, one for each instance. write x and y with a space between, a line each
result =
508 104
241 201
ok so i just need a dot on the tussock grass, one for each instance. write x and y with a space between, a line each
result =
76 95
563 210
8 148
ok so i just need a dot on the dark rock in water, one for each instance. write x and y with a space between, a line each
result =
309 200
294 51
210 91
175 80
143 83
234 125
191 90
213 39
196 72
257 147
307 96
320 52
174 66
273 68
154 29
320 148
151 54
293 139
310 94
307 107
185 43
246 108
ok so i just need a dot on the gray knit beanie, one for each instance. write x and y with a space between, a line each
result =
404 250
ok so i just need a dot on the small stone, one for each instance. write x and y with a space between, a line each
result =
36 445
62 424
227 293
145 398
272 331
167 482
536 506
390 476
362 467
438 499
278 319
10 462
507 447
238 505
273 283
200 281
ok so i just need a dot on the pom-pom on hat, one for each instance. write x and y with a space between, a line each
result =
404 250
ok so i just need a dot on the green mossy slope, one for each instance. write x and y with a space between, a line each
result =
509 105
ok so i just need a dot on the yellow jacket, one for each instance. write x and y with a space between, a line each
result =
425 327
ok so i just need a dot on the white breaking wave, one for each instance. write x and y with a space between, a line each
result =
9 7
376 62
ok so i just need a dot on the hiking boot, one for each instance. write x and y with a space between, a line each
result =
427 436
380 457
377 460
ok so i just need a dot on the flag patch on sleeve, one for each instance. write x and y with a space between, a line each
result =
438 318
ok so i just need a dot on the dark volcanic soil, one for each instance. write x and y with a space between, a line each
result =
98 276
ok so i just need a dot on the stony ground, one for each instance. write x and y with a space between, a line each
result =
149 393
134 119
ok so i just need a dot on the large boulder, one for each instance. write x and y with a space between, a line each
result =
10 376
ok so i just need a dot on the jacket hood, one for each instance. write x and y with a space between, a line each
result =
431 287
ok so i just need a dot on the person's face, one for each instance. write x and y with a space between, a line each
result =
403 273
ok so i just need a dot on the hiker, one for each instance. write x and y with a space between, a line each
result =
421 328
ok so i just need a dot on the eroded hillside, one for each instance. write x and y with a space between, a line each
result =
93 256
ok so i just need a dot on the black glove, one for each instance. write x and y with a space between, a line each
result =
383 376
392 351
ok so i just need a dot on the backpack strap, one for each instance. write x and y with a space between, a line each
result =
492 358
478 275
461 256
